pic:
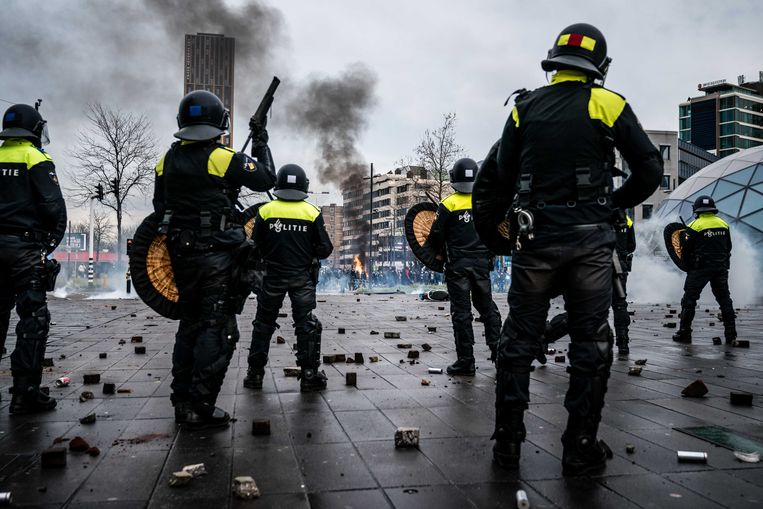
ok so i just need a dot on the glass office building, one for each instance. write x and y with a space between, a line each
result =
735 183
727 119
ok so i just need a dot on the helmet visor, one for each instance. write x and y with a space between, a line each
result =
44 135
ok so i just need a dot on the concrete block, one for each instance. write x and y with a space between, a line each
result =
407 437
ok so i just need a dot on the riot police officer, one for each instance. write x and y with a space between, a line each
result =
32 223
706 247
196 188
467 269
556 155
290 237
625 245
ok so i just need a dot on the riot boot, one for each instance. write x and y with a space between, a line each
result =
28 399
254 378
200 415
509 434
312 380
462 367
582 454
682 336
729 326
622 344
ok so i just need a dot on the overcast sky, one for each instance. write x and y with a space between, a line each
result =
429 58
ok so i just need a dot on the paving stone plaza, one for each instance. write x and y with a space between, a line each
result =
336 449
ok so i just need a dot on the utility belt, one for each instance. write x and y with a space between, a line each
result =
25 234
207 225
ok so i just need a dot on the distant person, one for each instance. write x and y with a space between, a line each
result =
32 224
706 249
625 245
290 237
556 158
467 268
196 189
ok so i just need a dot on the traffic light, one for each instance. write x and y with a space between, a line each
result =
115 186
99 191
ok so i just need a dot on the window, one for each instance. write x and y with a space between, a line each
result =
665 186
646 211
665 152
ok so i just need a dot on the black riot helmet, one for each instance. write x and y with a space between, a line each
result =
462 175
201 116
24 121
704 203
291 183
581 47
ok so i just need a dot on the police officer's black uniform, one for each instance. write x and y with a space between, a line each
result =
625 245
557 153
706 249
290 237
197 185
32 223
467 270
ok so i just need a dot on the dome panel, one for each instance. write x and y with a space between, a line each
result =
742 176
730 204
752 202
725 188
755 220
708 189
758 177
735 166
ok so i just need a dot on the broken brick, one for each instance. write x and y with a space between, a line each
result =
740 398
140 350
109 388
741 343
86 395
78 444
717 340
696 389
640 362
136 339
280 340
406 437
373 358
340 330
413 354
47 362
560 358
93 451
391 335
245 488
91 378
401 318
635 370
374 333
404 346
261 427
88 419
102 355
426 347
424 381
54 457
292 371
340 357
351 378
669 325
359 358
431 329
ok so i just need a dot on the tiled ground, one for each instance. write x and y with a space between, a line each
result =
335 449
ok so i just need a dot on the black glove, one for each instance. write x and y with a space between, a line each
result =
259 133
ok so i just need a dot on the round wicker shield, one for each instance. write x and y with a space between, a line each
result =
151 269
248 217
418 223
673 234
490 203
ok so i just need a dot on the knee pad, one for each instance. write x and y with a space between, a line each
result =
34 317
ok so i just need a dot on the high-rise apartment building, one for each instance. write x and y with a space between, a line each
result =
393 193
333 217
209 65
727 119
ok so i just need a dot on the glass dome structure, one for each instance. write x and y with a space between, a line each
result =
735 183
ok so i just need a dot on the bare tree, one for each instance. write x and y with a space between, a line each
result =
118 151
103 231
438 151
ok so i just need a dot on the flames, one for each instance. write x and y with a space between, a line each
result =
357 265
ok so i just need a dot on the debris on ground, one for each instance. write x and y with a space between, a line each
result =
122 342
359 358
434 371
78 444
340 357
47 362
404 346
93 451
91 378
280 340
670 325
136 339
696 389
292 371
741 343
424 381
245 488
747 457
522 501
374 333
140 350
406 437
373 358
86 395
630 448
124 390
740 398
426 347
401 318
340 330
635 370
351 378
431 329
88 419
261 427
102 355
413 354
550 351
560 358
180 479
54 457
109 388
692 456
142 439
282 315
196 469
391 335
640 362
717 340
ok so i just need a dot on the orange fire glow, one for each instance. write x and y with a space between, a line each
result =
357 265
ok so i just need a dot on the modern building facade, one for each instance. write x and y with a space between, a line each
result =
393 193
681 160
209 65
735 183
727 119
333 216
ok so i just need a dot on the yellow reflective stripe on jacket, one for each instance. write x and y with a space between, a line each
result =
515 116
289 210
458 201
628 221
605 105
564 75
22 151
160 166
219 160
706 221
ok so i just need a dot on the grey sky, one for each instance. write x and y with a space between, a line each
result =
430 57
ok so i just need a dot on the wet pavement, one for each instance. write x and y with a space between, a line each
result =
336 448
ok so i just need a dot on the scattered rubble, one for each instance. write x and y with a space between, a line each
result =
93 451
717 340
280 340
434 371
426 347
53 457
406 437
140 350
670 325
635 370
282 315
102 355
109 388
180 479
374 333
373 358
740 398
401 318
640 362
47 362
359 358
351 378
245 488
124 390
696 389
292 371
404 346
691 456
88 419
136 339
86 395
413 354
747 457
741 343
340 330
424 381
431 329
630 448
78 444
261 427
391 335
122 342
91 378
